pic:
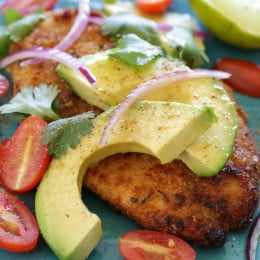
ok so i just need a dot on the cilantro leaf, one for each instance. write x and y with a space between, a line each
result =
126 23
183 46
16 28
5 42
33 100
19 29
135 51
66 132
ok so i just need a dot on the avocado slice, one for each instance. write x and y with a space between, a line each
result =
205 157
162 129
115 78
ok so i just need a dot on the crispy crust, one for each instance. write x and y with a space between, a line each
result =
162 197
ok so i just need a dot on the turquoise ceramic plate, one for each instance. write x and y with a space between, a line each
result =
114 223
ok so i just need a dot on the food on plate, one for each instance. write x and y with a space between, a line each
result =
76 231
172 198
234 22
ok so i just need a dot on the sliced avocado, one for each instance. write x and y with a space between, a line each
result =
208 155
162 129
115 78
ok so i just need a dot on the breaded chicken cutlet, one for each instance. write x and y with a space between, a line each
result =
162 197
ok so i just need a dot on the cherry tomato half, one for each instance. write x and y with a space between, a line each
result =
245 75
25 156
28 6
151 245
19 230
153 6
4 85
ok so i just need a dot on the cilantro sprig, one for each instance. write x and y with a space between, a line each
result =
134 51
182 45
64 133
33 101
178 43
16 28
125 23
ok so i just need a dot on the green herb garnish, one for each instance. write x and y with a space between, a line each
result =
65 133
134 51
180 43
16 28
124 23
33 101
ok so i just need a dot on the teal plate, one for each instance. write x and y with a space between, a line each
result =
114 223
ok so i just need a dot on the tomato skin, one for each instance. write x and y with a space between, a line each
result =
153 6
25 156
4 85
245 75
153 245
19 231
28 6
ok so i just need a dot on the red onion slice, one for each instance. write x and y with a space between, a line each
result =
156 83
76 30
78 27
252 240
51 54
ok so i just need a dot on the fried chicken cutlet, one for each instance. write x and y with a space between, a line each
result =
162 197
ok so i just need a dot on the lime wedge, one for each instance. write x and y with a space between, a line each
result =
236 22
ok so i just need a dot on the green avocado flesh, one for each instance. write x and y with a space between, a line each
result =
209 153
162 129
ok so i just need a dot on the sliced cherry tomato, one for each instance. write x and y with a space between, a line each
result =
245 75
28 6
153 6
19 230
4 85
151 245
25 156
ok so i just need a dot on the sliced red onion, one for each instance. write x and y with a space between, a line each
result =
76 30
252 240
153 84
51 54
78 27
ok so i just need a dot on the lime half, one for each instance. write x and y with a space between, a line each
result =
236 22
